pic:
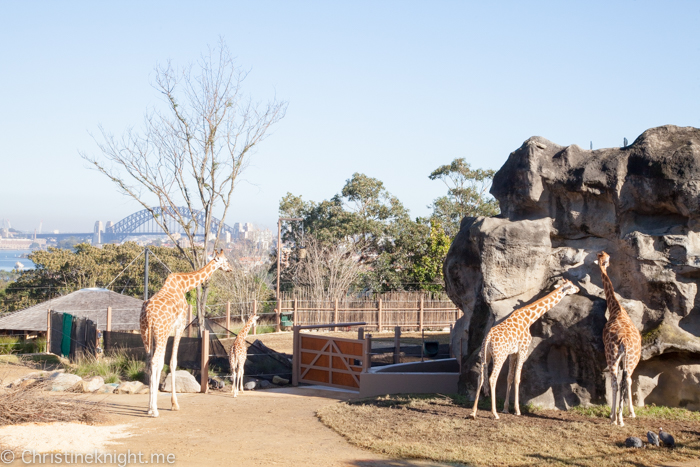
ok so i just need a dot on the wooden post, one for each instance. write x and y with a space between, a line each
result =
255 312
109 318
48 331
420 314
204 373
367 360
360 333
397 344
189 320
296 356
335 314
379 315
294 312
278 320
228 319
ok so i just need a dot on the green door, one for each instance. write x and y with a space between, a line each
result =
67 328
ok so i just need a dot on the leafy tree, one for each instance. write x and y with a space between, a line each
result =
467 194
191 153
61 271
427 267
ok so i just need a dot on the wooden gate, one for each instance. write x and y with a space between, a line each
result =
329 361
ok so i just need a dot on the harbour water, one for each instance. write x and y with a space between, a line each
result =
8 259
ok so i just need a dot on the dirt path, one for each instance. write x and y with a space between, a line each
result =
265 428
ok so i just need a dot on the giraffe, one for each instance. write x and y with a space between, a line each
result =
166 312
511 338
623 344
237 356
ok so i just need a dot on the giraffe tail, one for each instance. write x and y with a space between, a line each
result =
485 356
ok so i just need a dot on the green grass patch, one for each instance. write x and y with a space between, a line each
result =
649 411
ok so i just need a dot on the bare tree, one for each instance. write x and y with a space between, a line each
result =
187 157
242 285
329 270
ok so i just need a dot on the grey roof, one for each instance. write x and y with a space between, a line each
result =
90 303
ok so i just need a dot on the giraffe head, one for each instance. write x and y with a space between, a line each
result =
603 260
221 262
568 288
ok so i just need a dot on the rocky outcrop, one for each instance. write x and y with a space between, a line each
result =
560 206
184 381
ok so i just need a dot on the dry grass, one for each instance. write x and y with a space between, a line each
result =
438 428
30 403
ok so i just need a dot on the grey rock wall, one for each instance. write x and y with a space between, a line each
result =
560 206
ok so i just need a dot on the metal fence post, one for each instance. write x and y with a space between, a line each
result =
255 312
228 319
397 344
204 373
367 359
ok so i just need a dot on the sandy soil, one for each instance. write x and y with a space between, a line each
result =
276 427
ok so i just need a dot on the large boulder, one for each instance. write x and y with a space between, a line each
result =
184 381
560 206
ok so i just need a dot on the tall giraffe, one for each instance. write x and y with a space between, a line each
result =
238 355
623 343
164 313
511 338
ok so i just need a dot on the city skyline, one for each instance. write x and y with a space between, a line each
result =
392 90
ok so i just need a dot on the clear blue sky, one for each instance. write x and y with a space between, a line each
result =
392 89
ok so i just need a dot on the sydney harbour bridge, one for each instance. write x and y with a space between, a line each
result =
143 223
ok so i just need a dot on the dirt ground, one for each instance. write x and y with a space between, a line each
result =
276 427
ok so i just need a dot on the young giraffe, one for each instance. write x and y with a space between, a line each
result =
164 312
512 338
623 343
237 356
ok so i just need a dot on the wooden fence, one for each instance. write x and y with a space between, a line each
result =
409 312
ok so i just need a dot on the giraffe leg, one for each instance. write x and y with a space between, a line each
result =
518 370
498 362
615 388
512 362
157 362
173 364
629 394
482 371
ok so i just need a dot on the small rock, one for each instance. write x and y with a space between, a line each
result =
279 380
633 442
130 387
250 385
92 384
63 381
216 383
263 384
184 380
106 389
144 390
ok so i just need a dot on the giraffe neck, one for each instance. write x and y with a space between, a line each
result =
243 333
190 280
534 311
614 307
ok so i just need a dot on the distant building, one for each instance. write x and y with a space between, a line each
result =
15 243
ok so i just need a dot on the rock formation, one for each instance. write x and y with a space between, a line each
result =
559 207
